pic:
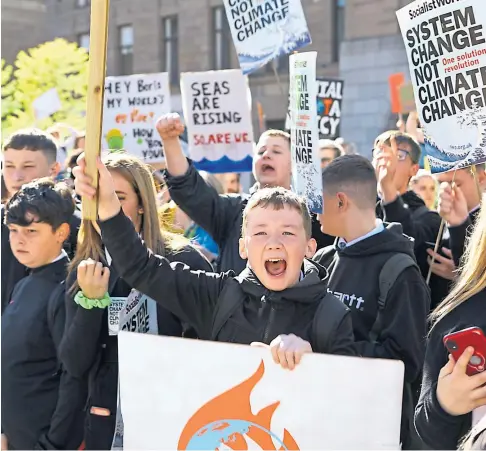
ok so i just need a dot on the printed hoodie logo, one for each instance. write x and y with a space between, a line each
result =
350 300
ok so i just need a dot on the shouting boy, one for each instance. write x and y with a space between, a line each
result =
279 299
42 406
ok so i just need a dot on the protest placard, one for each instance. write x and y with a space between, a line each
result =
407 98
395 81
132 105
446 48
46 104
306 164
217 111
193 394
265 30
329 103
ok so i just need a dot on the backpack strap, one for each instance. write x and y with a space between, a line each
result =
327 319
230 298
389 274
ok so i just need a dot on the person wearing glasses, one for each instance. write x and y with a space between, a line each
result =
329 150
396 158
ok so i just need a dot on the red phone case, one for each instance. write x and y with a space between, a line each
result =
457 342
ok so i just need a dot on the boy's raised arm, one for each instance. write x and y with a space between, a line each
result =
190 295
215 213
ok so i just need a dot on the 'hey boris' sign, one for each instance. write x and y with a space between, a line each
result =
329 102
265 30
131 106
446 47
306 165
216 107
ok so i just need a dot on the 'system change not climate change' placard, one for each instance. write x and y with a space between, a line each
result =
263 30
306 165
131 107
446 47
217 107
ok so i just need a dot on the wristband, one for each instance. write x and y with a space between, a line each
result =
89 304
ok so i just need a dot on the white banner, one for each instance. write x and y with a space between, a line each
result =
197 395
306 164
46 104
217 111
132 105
445 42
265 30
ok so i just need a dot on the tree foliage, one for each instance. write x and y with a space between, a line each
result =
57 64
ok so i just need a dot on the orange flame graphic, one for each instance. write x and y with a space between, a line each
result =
234 404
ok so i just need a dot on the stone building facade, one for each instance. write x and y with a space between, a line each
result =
356 40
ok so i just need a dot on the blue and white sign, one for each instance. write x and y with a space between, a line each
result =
217 111
306 164
263 30
445 44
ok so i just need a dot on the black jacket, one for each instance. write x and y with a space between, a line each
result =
438 429
193 296
421 224
456 242
13 271
42 405
220 215
89 352
353 277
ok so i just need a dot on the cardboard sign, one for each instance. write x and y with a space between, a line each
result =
329 103
265 30
446 48
132 105
395 81
199 395
217 110
306 164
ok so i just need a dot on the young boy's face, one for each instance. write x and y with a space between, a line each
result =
275 245
24 166
37 244
272 163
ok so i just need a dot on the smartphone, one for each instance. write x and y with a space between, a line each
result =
457 342
431 246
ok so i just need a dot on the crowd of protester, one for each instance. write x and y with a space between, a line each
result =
364 278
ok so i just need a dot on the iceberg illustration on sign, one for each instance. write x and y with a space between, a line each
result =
459 156
270 41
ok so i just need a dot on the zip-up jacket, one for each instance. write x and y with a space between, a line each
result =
42 404
194 295
89 352
220 215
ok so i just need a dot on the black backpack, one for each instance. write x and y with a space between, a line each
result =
324 326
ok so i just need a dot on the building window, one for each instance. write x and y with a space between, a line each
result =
339 26
83 41
221 39
125 54
170 57
82 3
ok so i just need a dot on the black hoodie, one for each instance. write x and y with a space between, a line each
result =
354 273
220 215
42 405
410 211
193 296
437 428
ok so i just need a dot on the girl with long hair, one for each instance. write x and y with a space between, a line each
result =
89 348
450 400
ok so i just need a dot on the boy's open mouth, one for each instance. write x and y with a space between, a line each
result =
275 266
266 168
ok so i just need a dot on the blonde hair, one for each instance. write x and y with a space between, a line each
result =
135 172
273 133
472 277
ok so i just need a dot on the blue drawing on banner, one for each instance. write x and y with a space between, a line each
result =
293 35
224 164
458 157
308 184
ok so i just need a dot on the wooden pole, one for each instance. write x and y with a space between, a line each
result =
96 87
